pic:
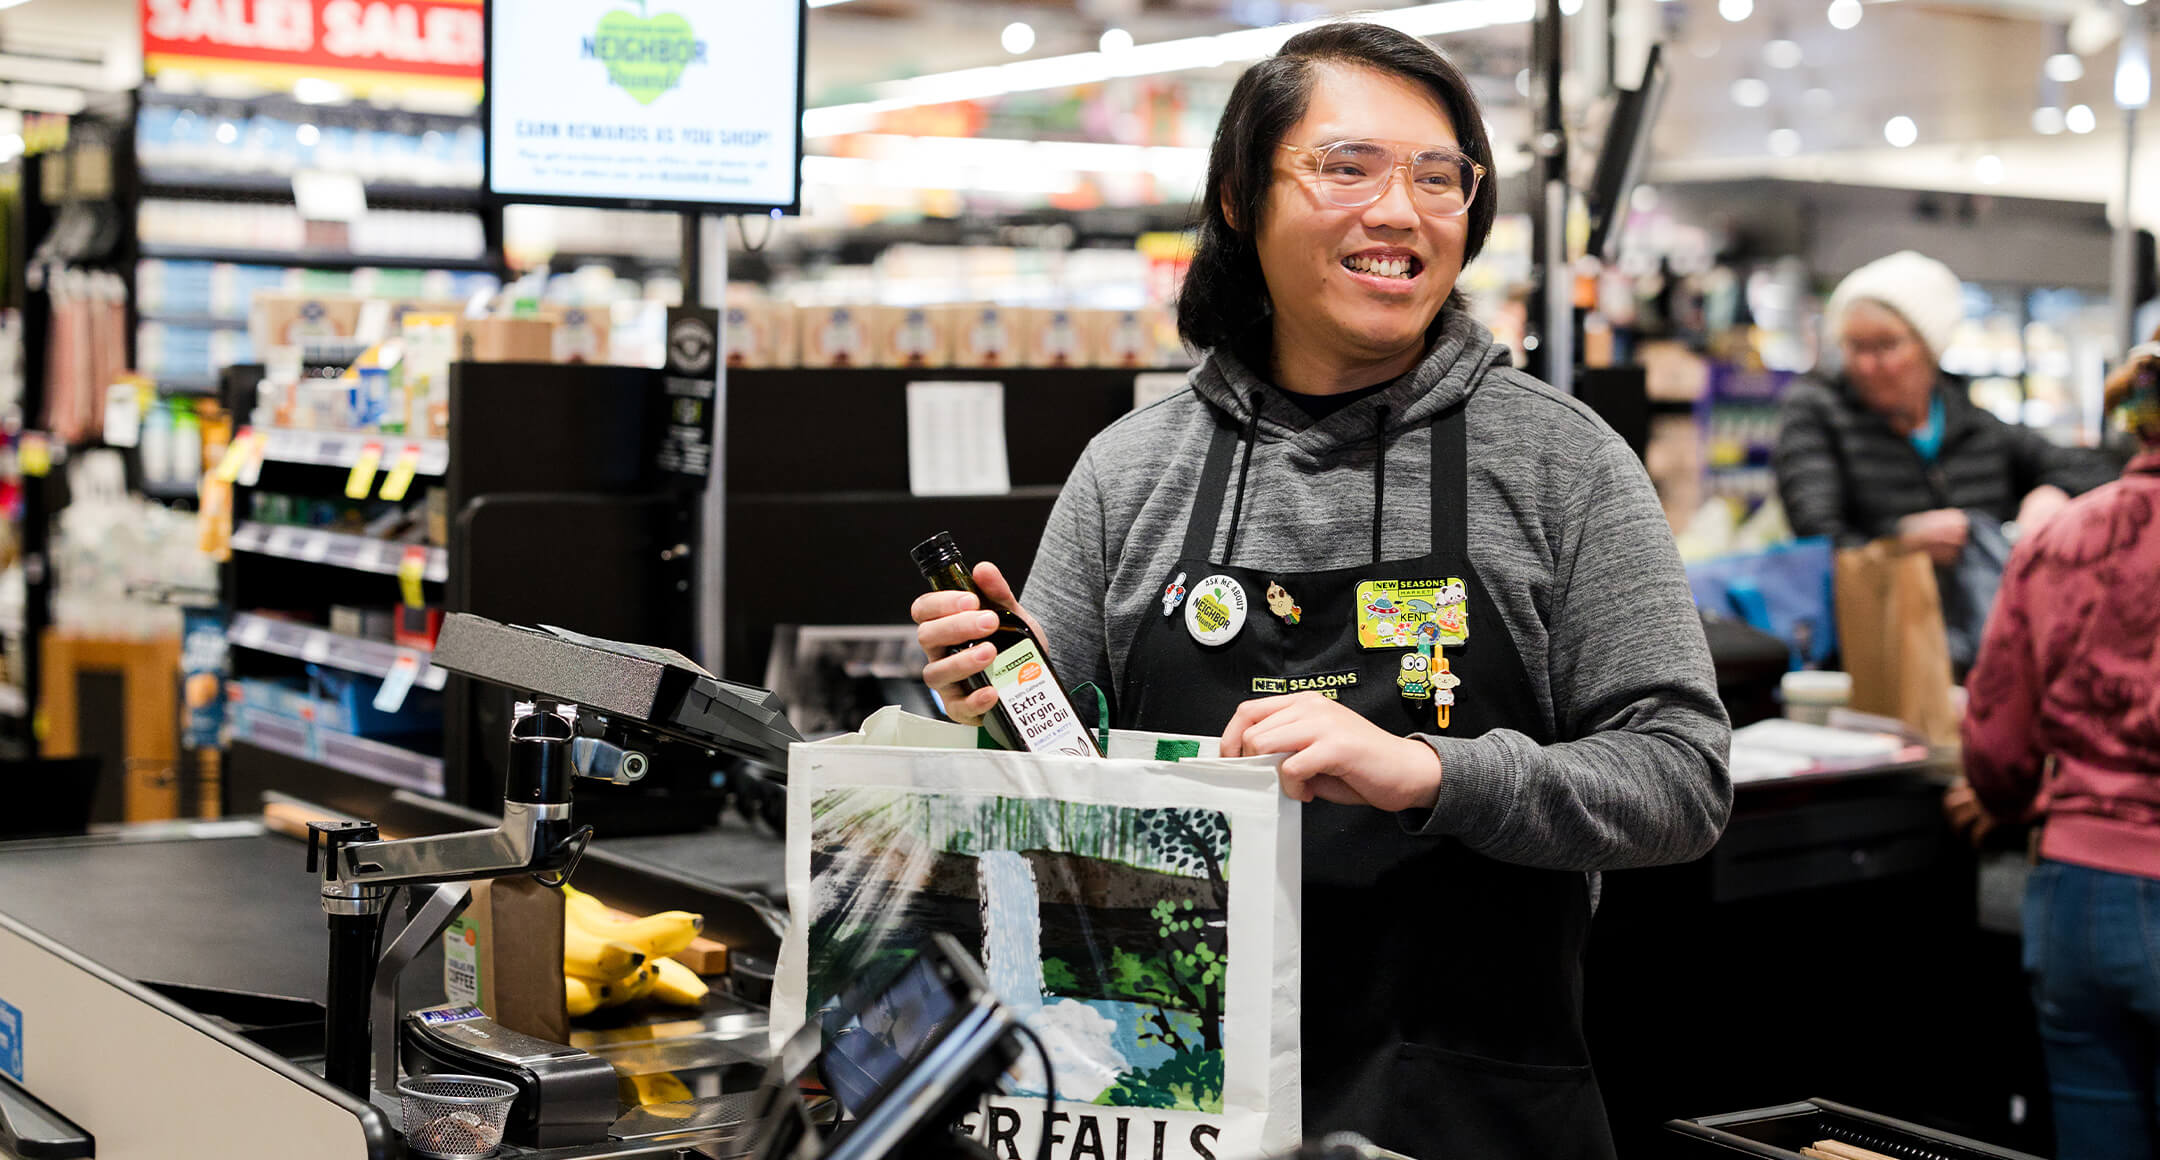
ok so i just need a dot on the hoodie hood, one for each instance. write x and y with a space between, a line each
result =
1462 351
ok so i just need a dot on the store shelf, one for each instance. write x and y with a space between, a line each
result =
334 549
342 449
317 646
310 259
340 751
197 385
171 490
197 321
183 183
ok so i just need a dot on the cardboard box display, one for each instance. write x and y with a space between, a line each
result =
281 319
913 336
581 334
505 955
759 333
1123 338
989 336
1056 338
506 340
836 336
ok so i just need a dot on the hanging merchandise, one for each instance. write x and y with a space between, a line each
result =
87 349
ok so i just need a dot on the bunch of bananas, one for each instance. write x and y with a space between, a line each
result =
609 959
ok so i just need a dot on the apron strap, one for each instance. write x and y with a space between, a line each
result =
1451 474
1208 497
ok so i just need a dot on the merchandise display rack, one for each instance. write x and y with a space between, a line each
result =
538 456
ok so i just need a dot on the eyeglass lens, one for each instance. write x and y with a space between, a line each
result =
1354 173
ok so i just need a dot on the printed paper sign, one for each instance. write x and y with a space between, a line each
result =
956 439
11 1045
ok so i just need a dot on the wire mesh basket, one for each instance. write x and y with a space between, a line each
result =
455 1117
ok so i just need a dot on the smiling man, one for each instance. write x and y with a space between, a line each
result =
1356 441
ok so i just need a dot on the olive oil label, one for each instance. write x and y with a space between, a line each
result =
1036 704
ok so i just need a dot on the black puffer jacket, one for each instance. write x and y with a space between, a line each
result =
1842 472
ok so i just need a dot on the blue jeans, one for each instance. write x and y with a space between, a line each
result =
2092 947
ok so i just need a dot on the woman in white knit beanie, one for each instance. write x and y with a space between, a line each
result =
1892 447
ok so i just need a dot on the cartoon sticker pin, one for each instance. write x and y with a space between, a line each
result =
1444 684
1173 594
1216 612
1394 614
1280 603
1415 677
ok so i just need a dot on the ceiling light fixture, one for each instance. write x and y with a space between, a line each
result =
1844 14
1164 56
1751 92
1784 142
2080 119
1115 40
1018 37
2047 120
2064 67
1782 54
1988 170
2133 68
1736 10
1900 131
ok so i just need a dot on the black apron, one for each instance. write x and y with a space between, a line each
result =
1442 989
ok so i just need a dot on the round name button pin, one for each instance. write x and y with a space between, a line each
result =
1215 610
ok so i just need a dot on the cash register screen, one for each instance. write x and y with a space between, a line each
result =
871 1045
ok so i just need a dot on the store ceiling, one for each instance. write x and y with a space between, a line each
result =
1966 71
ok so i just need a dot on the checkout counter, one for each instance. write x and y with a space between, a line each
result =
164 992
168 991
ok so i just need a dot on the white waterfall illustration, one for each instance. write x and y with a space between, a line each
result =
1012 929
1078 1036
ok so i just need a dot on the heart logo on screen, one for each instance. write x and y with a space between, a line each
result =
645 55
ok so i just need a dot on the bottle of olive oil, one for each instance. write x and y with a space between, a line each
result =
1033 712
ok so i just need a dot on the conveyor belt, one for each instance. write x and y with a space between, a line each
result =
229 913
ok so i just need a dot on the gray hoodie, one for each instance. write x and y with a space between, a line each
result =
1565 532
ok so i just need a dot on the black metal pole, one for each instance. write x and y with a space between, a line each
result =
693 259
346 1052
1550 308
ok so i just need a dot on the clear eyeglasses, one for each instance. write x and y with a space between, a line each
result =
1354 174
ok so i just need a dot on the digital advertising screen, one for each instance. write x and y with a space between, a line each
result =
659 104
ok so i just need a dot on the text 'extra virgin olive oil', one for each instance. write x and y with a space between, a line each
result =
1033 713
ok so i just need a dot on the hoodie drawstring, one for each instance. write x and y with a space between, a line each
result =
1379 477
1237 506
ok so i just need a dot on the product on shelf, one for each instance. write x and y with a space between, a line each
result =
912 336
837 336
989 335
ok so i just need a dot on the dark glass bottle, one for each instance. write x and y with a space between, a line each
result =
1033 713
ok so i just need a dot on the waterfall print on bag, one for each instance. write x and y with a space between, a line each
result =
1104 927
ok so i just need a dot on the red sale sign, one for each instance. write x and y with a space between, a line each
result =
358 43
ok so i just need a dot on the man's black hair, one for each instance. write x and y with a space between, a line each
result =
1225 294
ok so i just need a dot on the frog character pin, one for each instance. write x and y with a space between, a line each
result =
1415 677
1280 603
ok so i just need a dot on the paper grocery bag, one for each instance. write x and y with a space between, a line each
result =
1140 912
1890 627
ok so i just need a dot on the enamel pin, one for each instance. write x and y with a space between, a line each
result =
1414 680
1444 684
1173 594
1280 603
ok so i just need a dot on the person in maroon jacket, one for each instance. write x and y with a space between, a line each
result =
2062 727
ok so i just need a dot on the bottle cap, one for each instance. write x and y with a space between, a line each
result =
939 551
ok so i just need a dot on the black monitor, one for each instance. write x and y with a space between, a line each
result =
1621 158
683 105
